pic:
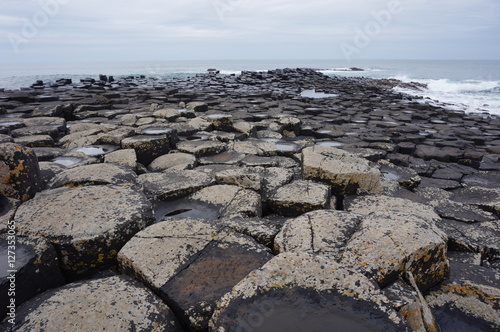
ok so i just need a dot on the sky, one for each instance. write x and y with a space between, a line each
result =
40 31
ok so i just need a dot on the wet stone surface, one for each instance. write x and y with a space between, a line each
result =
352 188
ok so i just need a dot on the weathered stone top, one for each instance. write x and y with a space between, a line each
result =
260 196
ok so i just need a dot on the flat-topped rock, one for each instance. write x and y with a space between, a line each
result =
202 148
173 161
191 264
87 225
115 303
150 147
298 291
299 197
324 232
345 172
96 174
170 185
388 243
36 269
233 201
469 300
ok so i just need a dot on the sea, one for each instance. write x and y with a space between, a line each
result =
469 85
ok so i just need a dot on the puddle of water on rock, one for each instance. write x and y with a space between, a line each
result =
351 133
270 139
185 208
299 313
67 161
324 131
194 138
286 147
156 131
313 94
96 150
391 175
331 144
217 116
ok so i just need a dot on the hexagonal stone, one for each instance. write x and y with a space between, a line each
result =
485 198
390 242
228 158
123 157
481 237
96 174
299 197
302 292
222 122
87 225
170 185
242 176
173 161
150 147
345 172
469 300
19 172
202 148
36 269
35 141
191 264
324 232
51 131
233 201
368 204
115 303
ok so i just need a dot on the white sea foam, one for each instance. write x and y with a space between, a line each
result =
466 95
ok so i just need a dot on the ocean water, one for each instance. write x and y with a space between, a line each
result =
469 85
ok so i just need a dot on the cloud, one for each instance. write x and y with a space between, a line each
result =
223 25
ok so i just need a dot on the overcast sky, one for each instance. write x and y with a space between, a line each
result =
34 31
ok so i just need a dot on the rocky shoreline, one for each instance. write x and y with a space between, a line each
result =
222 202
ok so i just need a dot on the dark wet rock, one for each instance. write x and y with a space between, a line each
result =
299 291
446 208
300 197
406 177
113 303
96 174
482 179
86 225
481 237
439 183
191 264
464 257
345 172
30 266
149 147
170 185
51 131
485 198
445 154
469 300
19 172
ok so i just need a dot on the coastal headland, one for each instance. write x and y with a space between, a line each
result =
284 200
